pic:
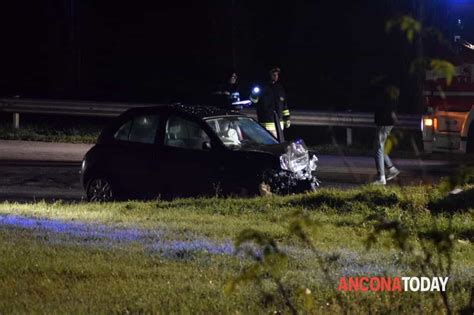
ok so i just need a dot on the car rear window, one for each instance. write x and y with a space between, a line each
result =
141 129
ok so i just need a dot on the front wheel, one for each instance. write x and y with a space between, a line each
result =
277 182
286 183
100 190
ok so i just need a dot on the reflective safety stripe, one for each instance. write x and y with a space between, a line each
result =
286 112
271 126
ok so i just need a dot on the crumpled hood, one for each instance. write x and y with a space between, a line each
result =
274 149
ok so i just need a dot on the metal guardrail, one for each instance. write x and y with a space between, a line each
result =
73 108
107 109
344 119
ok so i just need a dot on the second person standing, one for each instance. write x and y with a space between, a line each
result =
270 100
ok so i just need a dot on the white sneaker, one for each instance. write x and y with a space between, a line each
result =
380 182
392 173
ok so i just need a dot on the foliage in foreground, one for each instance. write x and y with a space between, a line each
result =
428 254
67 258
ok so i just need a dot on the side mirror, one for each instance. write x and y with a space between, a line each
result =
206 145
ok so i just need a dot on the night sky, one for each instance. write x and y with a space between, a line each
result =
158 51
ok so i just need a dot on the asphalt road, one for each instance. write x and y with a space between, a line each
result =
38 170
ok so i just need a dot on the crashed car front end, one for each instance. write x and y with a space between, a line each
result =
279 168
296 173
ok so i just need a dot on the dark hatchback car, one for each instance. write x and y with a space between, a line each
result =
178 151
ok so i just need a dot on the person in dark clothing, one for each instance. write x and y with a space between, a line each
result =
228 93
271 99
385 119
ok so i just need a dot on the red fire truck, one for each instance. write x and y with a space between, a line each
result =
449 124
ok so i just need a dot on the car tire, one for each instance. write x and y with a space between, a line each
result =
273 183
100 189
470 140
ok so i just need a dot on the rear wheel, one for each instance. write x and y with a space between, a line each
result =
470 139
100 190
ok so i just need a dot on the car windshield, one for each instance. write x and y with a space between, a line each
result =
238 131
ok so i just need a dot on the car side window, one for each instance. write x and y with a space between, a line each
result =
124 131
183 133
141 129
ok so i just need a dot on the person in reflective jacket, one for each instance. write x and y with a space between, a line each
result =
271 99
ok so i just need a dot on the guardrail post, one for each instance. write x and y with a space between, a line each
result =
16 120
349 136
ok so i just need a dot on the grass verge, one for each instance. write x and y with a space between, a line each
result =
177 257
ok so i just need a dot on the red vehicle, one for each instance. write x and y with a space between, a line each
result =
449 124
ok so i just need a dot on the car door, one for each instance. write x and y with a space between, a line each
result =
135 155
188 162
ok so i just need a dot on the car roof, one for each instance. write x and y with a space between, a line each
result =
199 111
